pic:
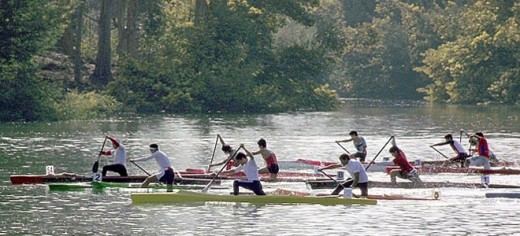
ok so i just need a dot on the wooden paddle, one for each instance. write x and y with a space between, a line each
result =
337 142
205 189
140 168
369 164
213 155
443 155
95 167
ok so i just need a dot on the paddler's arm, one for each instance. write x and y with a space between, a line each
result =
356 180
222 162
248 153
331 166
221 140
344 140
440 144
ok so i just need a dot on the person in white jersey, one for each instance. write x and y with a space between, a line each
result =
119 154
457 148
165 174
250 169
356 171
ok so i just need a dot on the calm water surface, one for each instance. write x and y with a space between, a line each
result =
26 148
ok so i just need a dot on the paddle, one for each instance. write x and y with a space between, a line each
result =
442 154
140 168
343 147
213 155
95 167
338 183
205 189
369 164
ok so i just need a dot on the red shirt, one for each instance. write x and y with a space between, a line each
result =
483 149
403 163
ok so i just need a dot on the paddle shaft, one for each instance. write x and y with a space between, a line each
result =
338 183
369 164
440 152
221 169
141 168
95 167
213 155
343 147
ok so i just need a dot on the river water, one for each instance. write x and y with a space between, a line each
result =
26 148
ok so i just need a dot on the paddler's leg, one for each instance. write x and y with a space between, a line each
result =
393 175
235 187
364 189
257 188
148 180
341 186
273 170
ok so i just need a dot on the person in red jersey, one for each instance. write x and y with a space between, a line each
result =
406 170
229 151
482 150
269 158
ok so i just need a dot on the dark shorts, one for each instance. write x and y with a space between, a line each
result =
362 186
168 177
118 168
461 157
254 186
410 175
273 169
361 156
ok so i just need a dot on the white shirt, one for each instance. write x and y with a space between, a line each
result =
354 166
250 169
120 155
160 158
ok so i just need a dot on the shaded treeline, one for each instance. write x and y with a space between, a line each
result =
252 56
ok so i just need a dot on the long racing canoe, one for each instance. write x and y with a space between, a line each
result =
325 184
470 170
191 197
74 178
97 185
502 195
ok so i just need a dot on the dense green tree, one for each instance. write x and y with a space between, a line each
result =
27 28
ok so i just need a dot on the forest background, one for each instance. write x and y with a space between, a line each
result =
81 59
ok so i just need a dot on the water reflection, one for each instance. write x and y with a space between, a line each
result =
26 148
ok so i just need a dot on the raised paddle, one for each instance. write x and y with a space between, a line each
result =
205 189
442 154
95 167
140 168
213 155
337 142
369 164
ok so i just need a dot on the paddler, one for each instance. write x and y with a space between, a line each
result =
228 150
457 148
165 173
482 150
359 143
250 169
356 171
119 154
269 158
406 170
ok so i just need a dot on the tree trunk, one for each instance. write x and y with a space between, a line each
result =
121 26
102 72
66 43
201 11
77 45
131 29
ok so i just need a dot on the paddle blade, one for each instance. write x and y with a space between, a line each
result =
95 167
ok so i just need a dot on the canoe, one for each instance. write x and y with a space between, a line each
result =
74 178
502 195
96 185
191 197
470 170
326 184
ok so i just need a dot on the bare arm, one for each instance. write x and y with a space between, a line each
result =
440 144
332 166
248 152
221 140
356 180
344 141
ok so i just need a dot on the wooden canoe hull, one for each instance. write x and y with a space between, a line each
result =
190 197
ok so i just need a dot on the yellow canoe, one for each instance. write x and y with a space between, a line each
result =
187 196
